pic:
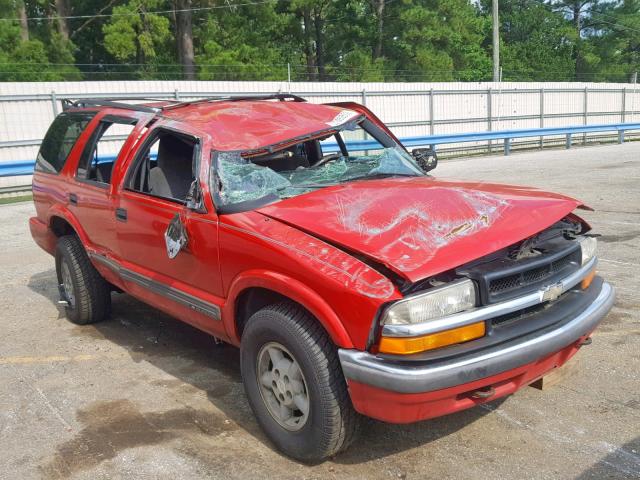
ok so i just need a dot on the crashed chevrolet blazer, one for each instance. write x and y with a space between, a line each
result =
353 282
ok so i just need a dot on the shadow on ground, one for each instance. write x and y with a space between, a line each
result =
625 460
193 359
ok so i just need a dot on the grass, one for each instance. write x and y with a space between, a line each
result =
21 198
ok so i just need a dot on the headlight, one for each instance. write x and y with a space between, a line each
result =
439 302
588 245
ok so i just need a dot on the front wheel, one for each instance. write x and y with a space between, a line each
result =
292 377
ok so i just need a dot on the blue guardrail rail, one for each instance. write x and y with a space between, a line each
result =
25 167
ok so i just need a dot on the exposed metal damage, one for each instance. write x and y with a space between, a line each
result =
420 230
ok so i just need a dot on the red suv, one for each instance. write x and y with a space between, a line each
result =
352 281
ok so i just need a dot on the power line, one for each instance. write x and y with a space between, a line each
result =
133 14
302 67
591 14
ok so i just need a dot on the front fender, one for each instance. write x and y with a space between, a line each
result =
288 287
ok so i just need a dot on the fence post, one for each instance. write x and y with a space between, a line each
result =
541 115
363 97
624 104
176 94
489 115
54 103
431 120
585 108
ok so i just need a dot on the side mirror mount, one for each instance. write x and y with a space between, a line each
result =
426 158
194 197
175 237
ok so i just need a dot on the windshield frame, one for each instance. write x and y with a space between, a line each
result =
362 121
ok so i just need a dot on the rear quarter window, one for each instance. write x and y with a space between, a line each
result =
60 139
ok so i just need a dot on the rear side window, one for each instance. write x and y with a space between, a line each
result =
103 148
60 139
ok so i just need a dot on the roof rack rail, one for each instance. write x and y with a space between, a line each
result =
96 102
237 98
112 102
272 96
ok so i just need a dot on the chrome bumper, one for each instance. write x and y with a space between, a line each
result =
367 368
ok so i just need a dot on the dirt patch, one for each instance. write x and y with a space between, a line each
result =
113 426
619 238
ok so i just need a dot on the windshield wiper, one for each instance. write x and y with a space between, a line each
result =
308 185
380 175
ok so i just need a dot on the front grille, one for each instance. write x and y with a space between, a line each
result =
528 277
562 263
504 278
505 284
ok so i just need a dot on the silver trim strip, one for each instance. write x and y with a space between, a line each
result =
206 308
371 370
485 313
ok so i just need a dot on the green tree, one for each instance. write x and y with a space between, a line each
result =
244 43
437 40
537 44
32 52
617 42
137 34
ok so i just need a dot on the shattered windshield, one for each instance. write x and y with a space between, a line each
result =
350 154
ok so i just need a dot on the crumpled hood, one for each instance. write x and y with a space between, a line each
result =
421 226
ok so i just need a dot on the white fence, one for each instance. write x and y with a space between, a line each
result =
411 109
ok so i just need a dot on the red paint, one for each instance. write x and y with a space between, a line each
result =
395 407
249 125
420 226
301 248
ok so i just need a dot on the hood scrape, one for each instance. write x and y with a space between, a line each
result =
418 231
421 226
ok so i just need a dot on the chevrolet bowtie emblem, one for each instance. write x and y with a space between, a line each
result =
551 292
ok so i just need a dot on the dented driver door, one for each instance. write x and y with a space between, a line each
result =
168 243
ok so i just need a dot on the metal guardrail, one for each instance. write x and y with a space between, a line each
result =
25 167
621 108
13 169
505 135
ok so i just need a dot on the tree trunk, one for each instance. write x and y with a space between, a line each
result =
184 37
308 51
576 8
320 47
62 11
24 24
379 7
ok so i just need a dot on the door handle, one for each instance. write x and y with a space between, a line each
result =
121 214
73 199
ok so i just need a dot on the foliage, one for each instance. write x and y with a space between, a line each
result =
34 59
343 40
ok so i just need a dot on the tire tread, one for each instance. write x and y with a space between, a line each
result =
343 421
93 294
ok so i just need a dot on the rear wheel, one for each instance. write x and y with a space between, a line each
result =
292 377
87 294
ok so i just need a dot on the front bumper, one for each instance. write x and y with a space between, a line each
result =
363 369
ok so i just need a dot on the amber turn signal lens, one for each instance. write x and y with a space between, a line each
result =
408 345
586 281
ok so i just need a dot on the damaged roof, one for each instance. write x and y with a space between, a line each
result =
254 124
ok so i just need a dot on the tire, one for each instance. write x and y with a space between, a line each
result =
89 295
331 423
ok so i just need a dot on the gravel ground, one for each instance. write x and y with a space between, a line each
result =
144 396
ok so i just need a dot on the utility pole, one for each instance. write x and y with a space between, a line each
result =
496 42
